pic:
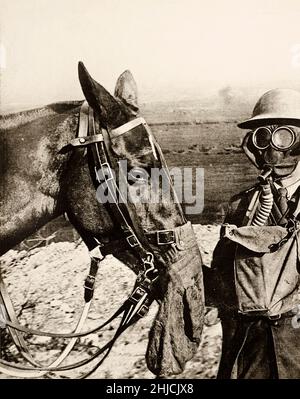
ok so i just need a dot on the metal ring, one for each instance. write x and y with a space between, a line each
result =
289 129
254 138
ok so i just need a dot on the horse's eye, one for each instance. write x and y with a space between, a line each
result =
138 175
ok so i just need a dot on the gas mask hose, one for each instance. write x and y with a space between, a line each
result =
266 200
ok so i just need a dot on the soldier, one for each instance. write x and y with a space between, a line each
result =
254 275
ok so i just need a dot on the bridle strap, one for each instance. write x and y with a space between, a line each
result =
9 314
85 141
78 364
39 370
16 326
130 222
127 126
104 160
15 329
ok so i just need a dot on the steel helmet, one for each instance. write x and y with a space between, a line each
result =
278 105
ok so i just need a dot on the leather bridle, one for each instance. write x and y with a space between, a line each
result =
97 141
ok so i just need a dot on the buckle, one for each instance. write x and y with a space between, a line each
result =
150 273
89 283
132 241
107 170
137 294
148 261
165 237
139 307
144 309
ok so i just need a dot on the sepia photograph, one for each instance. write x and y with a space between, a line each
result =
149 192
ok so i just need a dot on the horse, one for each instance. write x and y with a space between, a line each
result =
41 178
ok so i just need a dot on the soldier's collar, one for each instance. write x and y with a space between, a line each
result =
290 180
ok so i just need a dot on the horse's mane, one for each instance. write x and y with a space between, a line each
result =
12 120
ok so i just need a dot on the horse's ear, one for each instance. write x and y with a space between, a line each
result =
109 110
126 91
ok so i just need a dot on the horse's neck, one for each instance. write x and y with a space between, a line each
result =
30 174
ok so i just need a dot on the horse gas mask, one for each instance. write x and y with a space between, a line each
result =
274 149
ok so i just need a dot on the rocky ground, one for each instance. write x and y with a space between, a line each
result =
46 287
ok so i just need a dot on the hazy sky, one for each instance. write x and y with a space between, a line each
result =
169 45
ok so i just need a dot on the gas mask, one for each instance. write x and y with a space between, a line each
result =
274 149
273 146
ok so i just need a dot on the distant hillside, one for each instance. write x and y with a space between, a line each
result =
194 112
192 105
225 105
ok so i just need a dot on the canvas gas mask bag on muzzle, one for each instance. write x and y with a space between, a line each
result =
177 328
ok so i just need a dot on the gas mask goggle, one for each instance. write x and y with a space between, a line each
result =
282 138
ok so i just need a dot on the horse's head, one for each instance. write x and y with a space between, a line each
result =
136 147
138 162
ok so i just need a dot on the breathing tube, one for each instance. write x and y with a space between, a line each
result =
266 199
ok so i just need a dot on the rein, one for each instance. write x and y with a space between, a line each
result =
98 143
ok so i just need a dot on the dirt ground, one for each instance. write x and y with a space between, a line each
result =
46 286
